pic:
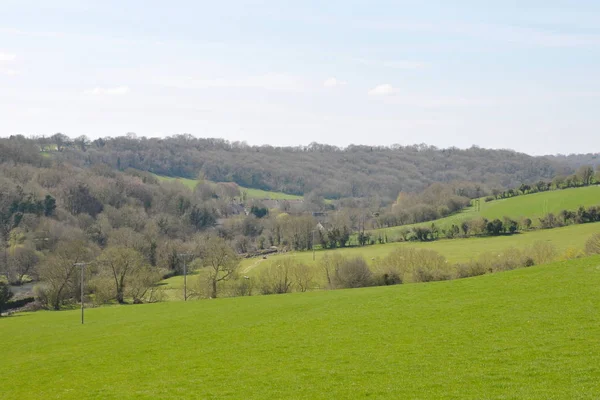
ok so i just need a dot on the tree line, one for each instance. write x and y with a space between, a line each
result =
443 199
332 172
483 227
401 266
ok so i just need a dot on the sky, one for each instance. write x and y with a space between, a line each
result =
521 75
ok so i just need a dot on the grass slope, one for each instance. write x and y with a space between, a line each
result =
529 333
455 250
252 193
530 206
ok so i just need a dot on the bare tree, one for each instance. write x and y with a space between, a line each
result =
59 273
121 263
330 263
277 279
142 284
222 262
22 261
303 276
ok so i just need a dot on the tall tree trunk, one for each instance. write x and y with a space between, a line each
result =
121 289
56 302
214 289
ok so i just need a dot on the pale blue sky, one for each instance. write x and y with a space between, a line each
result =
507 74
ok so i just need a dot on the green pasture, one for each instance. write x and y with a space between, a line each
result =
251 193
455 250
524 334
190 183
530 206
571 237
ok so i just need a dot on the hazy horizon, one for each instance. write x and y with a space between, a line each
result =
136 136
502 76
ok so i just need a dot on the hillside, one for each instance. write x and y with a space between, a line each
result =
566 241
528 333
333 172
257 194
530 206
577 160
455 250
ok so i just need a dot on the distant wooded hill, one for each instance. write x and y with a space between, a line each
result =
577 160
333 172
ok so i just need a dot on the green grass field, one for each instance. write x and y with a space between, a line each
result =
524 334
252 193
455 250
530 206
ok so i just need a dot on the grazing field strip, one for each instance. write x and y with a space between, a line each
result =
457 250
251 193
530 206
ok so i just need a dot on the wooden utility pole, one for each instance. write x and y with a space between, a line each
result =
184 256
82 265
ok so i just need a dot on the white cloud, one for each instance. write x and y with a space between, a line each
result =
383 90
7 57
116 91
333 82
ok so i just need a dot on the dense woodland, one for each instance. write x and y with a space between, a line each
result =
332 172
69 201
577 160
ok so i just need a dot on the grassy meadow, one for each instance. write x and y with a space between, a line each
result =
251 193
564 239
524 334
530 206
455 250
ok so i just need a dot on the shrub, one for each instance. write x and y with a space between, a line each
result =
477 225
11 305
5 295
303 276
277 278
404 234
495 227
592 246
329 264
507 260
353 273
201 287
103 288
550 221
472 268
422 233
571 253
142 285
453 231
386 276
243 287
41 293
529 262
526 223
416 265
542 252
